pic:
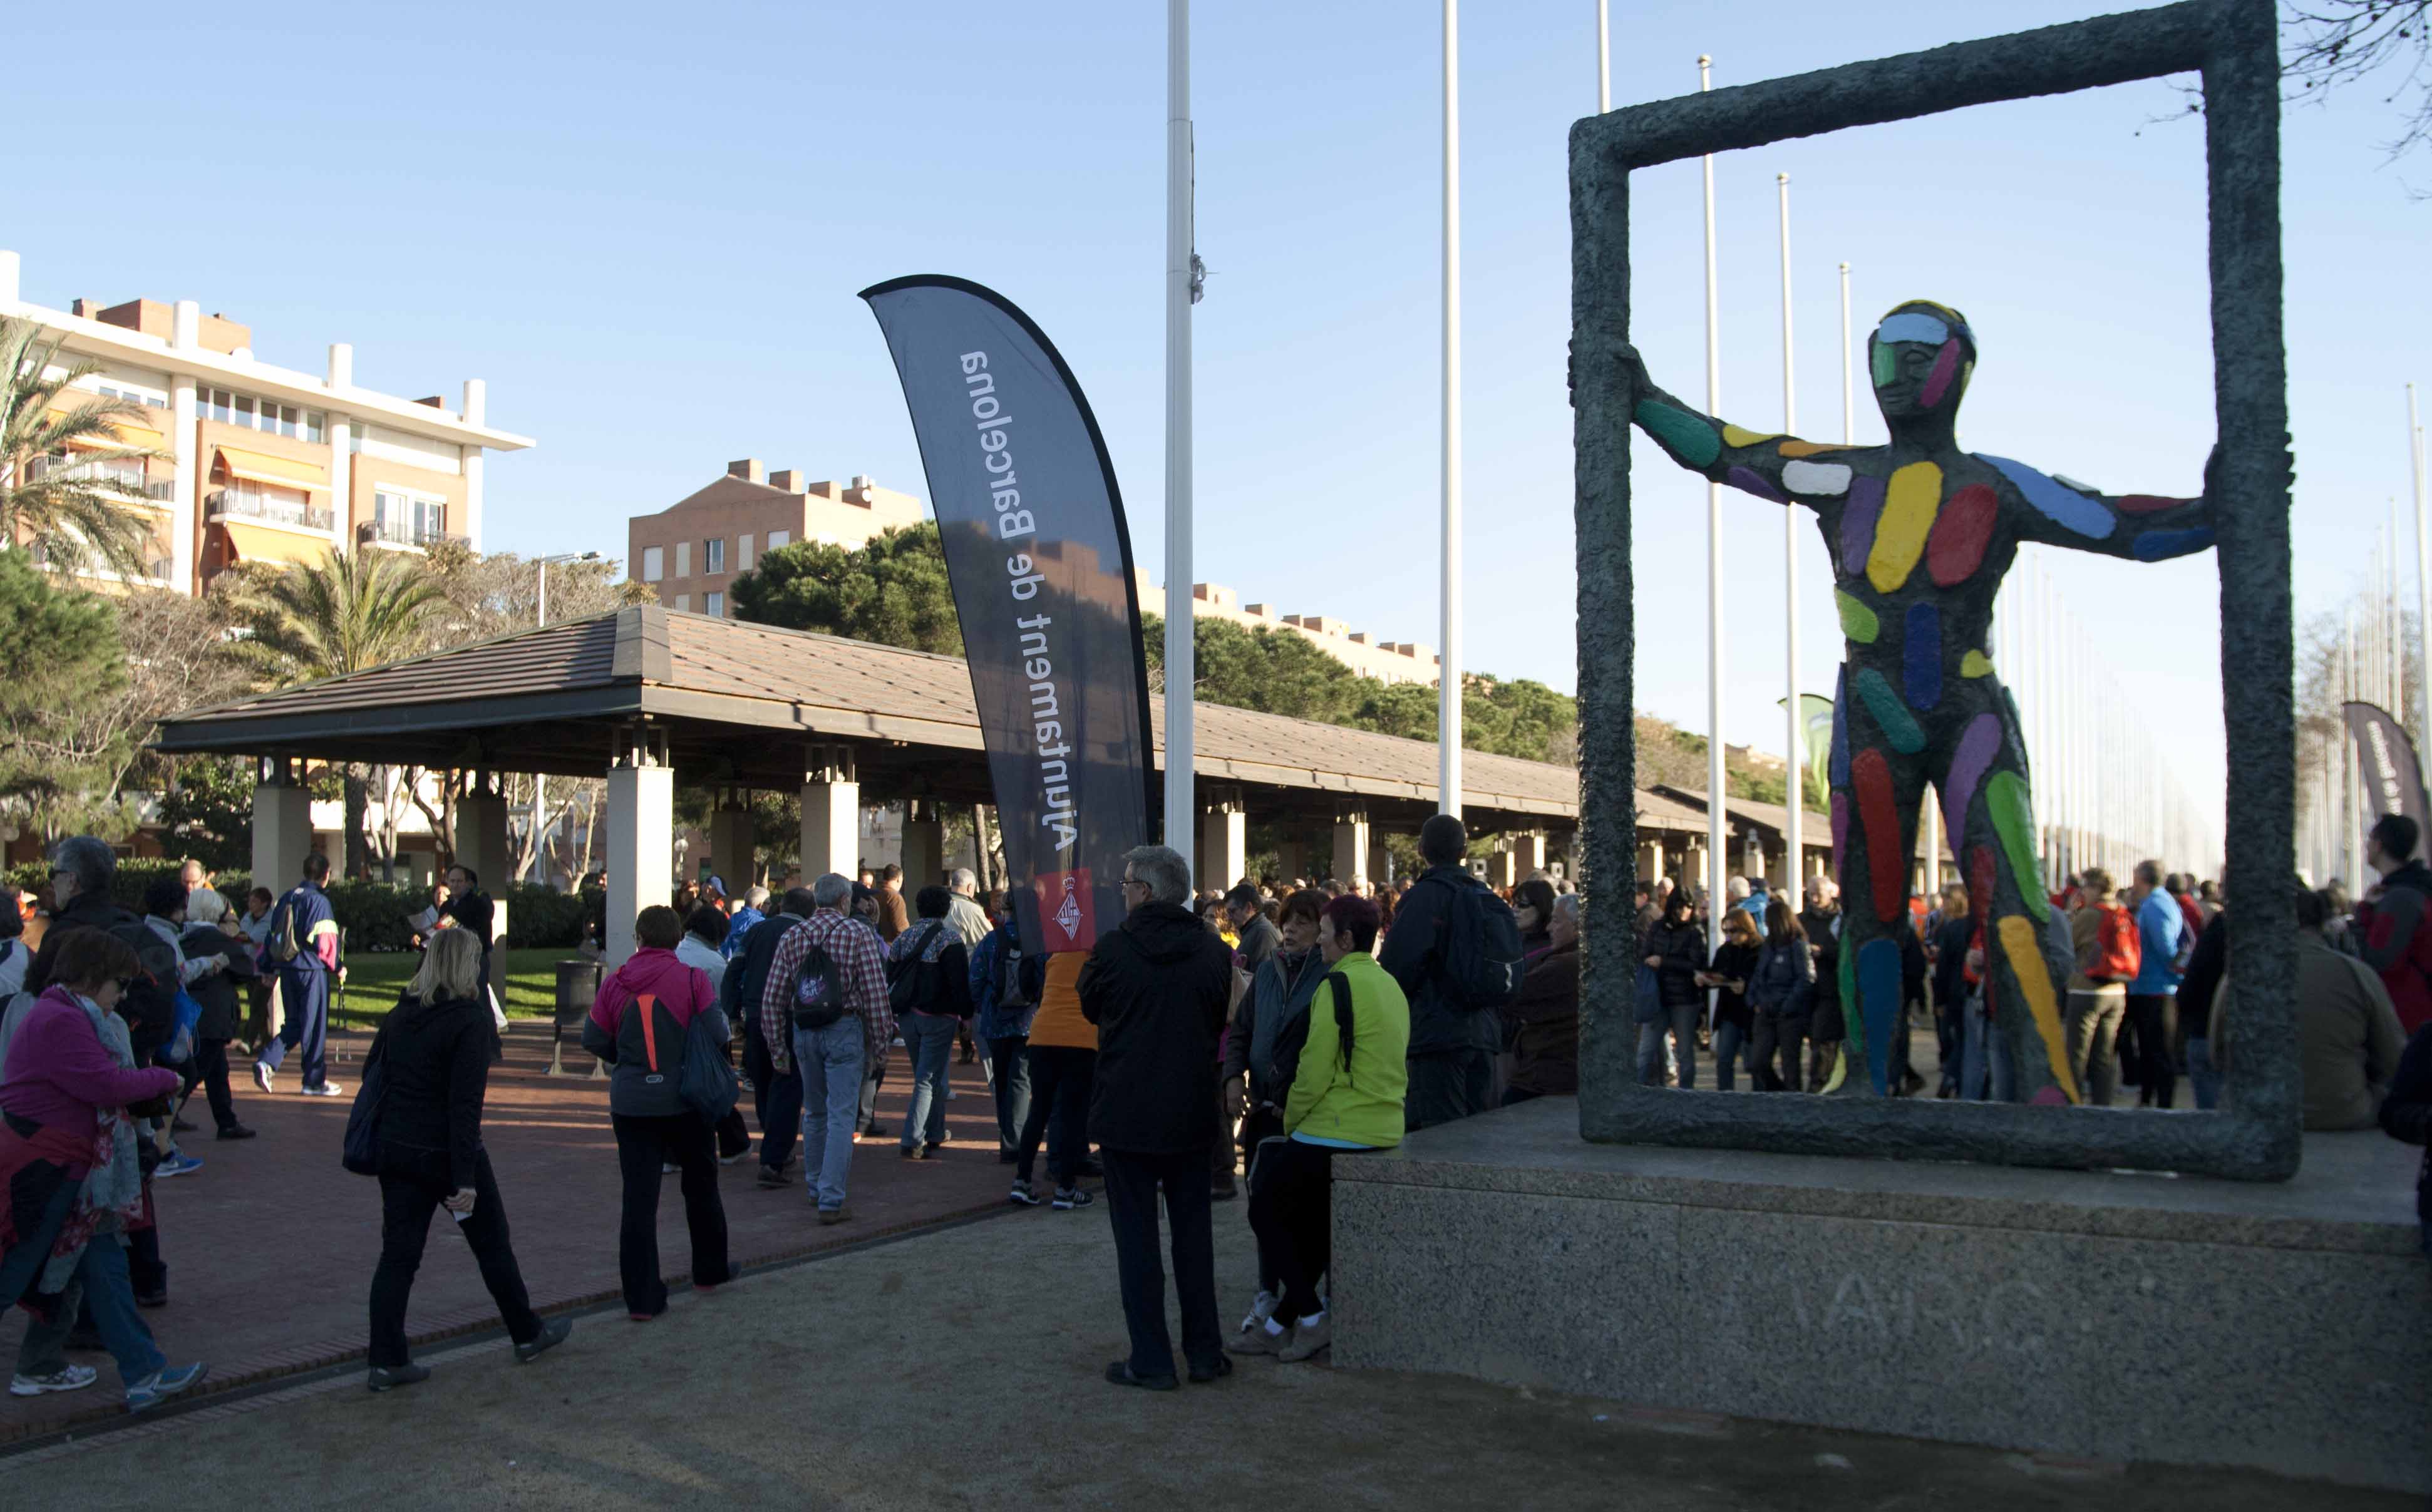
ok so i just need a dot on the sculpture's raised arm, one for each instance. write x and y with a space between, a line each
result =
1769 465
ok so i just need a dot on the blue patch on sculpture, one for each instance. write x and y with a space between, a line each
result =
1839 774
1921 657
2064 506
1913 327
2161 546
1879 996
1749 481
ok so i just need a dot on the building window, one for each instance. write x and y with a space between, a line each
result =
714 605
684 559
778 538
259 414
713 557
743 552
654 564
683 602
111 391
407 518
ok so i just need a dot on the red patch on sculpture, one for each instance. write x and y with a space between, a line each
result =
1955 547
1870 778
2148 503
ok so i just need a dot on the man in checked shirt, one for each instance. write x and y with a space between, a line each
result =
831 1056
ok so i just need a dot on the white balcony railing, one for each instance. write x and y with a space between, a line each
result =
246 504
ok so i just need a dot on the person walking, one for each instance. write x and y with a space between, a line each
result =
1781 998
1004 1007
2392 933
1349 1072
217 994
1063 1067
1826 1028
70 1171
776 1096
2110 953
640 1024
824 1012
472 909
893 917
304 943
1675 949
1280 994
1727 979
1454 1035
1158 987
739 924
165 914
931 972
434 1051
2152 993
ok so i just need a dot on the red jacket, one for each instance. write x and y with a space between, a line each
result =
2394 938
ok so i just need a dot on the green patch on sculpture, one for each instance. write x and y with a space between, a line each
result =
1891 715
1858 622
2013 812
1692 438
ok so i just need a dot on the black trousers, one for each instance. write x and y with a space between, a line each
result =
1260 1128
1446 1085
1133 1181
1291 1210
2156 1019
411 1184
1060 1076
776 1102
210 1068
643 1145
1782 1032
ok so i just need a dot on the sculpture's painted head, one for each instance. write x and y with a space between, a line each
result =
1921 355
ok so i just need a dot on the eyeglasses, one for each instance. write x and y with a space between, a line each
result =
1134 882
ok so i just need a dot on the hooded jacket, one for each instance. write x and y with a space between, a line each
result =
1280 994
1353 1098
1413 954
683 990
1158 988
437 1060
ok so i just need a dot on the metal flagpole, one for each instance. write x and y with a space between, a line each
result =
1181 799
2347 757
1604 59
1714 563
1794 790
2422 558
2393 635
1849 390
1448 676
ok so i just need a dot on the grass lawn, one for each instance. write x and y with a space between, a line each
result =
373 983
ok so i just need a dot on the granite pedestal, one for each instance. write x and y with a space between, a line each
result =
2286 1327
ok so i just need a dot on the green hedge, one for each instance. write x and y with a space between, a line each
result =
373 914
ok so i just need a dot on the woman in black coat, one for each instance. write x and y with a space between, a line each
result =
1676 948
434 1051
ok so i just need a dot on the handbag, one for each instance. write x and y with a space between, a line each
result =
189 1013
498 1015
705 1082
361 1153
1650 995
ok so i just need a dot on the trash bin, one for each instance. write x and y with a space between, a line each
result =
578 987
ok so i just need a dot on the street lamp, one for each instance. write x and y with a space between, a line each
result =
540 783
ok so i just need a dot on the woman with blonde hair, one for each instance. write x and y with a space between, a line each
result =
433 1050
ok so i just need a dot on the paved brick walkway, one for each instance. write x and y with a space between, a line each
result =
271 1245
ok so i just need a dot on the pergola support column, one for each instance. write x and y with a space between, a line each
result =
282 824
1224 843
733 837
1351 846
924 846
830 813
641 835
481 832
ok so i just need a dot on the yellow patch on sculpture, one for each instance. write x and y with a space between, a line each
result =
1975 665
1735 436
1809 449
2026 959
1911 501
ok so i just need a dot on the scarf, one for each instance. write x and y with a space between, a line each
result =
115 1196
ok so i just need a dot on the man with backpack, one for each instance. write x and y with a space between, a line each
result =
776 1097
2110 953
304 943
929 990
824 1011
1454 949
1004 1006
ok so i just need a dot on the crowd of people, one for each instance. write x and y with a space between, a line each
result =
1211 1044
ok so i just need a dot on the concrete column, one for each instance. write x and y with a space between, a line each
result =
186 493
186 324
1291 860
830 815
641 841
481 836
1529 853
1503 867
924 846
732 834
1224 844
283 828
1650 861
476 410
1380 866
1350 847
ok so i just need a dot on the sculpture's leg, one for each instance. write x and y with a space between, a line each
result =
1989 806
1875 797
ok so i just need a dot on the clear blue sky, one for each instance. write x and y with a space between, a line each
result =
645 229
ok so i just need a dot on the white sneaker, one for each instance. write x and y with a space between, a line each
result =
952 1094
1260 1310
668 1167
75 1378
262 1075
327 1089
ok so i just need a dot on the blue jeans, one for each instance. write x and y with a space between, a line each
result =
1986 1071
100 1278
929 1045
1009 1066
2201 1076
111 1296
829 1062
1727 1055
1681 1022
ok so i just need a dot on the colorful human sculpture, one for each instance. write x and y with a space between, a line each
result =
1920 534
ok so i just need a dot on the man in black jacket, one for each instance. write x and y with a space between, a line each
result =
776 1101
472 910
1452 1042
1821 919
1158 988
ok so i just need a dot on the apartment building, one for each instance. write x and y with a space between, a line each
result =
1387 661
255 462
692 550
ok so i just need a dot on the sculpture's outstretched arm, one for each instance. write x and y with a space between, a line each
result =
1782 468
2141 527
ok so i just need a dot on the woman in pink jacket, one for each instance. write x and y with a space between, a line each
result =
638 1025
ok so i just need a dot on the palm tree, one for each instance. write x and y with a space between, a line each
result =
69 513
332 618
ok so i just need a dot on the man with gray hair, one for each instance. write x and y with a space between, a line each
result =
1159 987
963 914
824 1012
750 911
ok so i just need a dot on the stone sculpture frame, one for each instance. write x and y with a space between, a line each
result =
2234 44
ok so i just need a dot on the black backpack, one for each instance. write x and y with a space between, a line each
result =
911 979
1481 955
1009 995
819 991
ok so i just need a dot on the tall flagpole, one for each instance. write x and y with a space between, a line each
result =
1448 677
1714 566
1181 799
2423 560
1796 788
1604 59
